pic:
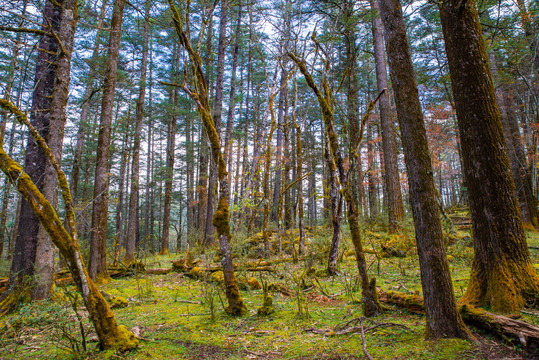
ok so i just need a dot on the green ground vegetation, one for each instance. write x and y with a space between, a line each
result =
180 315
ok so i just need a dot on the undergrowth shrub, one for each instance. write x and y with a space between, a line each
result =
65 320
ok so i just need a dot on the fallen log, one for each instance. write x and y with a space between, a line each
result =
158 271
64 281
508 329
505 328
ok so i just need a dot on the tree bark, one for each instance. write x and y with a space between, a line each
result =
97 266
443 319
217 117
111 336
87 97
33 253
132 225
169 180
299 166
335 198
502 274
371 177
389 146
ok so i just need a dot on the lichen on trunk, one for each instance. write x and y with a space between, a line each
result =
110 334
502 275
371 305
221 218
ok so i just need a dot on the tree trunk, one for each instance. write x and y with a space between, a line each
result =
33 254
132 225
391 165
299 159
87 97
371 305
217 117
232 101
502 274
277 183
97 267
147 200
371 177
221 220
171 147
443 319
120 234
111 336
335 198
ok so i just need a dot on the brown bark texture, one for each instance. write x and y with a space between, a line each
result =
389 146
132 224
97 266
110 334
443 319
502 274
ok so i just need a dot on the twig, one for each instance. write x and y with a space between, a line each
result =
529 313
252 352
188 302
363 341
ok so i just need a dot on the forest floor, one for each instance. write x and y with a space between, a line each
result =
180 315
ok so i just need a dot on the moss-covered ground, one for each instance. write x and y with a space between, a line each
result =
181 317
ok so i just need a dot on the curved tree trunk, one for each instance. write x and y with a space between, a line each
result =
443 319
111 336
502 274
221 219
371 305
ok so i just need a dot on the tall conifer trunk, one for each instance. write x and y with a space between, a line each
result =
502 274
443 320
132 225
391 165
97 266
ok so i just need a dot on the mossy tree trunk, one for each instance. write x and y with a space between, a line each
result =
443 319
97 266
217 115
502 274
391 165
221 219
335 199
371 305
110 334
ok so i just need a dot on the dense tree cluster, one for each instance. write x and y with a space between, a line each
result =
180 124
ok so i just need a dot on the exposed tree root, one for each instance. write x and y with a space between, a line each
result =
351 327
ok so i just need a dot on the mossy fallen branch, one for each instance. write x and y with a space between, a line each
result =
505 328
